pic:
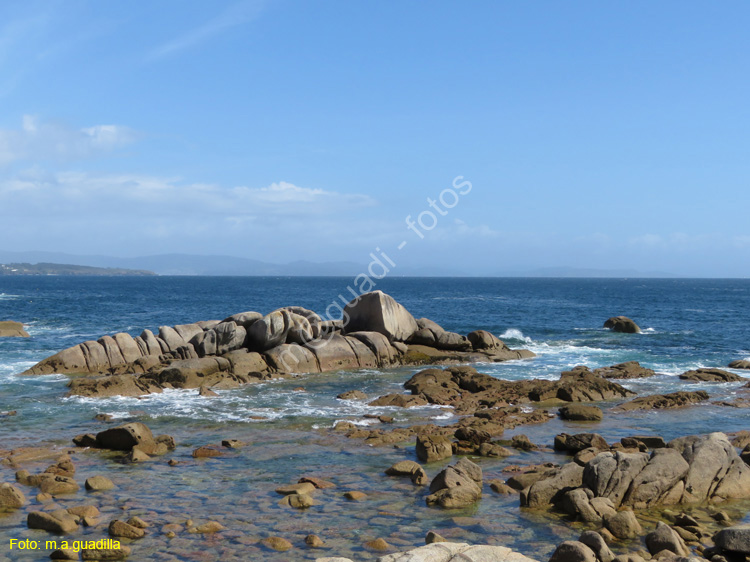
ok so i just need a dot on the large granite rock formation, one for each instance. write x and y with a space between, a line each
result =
690 470
249 346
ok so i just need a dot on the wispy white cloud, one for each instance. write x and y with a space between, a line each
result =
38 140
147 214
142 194
234 15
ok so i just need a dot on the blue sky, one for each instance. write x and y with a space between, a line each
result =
595 135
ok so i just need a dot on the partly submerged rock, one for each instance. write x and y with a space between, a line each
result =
622 324
456 486
711 375
10 329
628 370
664 401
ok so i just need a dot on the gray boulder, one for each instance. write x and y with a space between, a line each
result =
596 543
665 538
551 490
456 486
623 525
269 331
734 539
609 475
579 442
124 437
573 551
379 312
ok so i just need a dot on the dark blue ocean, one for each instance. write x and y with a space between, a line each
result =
686 324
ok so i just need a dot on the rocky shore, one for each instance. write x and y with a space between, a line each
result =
190 497
375 331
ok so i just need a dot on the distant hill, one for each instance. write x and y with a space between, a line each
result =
66 269
596 273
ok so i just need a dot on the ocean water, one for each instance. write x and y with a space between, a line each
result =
686 324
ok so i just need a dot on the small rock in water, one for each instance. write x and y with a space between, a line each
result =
355 496
207 392
98 484
319 483
433 537
352 395
206 452
233 443
314 541
103 417
121 529
501 487
378 545
64 554
210 527
297 501
137 522
277 543
299 488
136 455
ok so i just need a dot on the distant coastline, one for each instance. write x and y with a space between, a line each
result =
68 269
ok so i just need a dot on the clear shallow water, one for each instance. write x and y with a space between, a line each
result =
687 324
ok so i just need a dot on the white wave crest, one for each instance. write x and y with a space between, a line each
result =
515 334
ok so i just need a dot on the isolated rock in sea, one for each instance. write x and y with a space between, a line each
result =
249 347
664 401
711 375
740 364
10 329
622 324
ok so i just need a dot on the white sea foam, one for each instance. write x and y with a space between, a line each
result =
515 334
7 297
